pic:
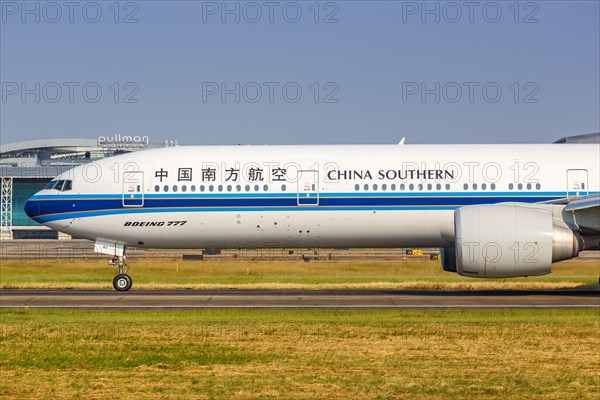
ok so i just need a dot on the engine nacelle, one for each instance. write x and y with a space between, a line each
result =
508 240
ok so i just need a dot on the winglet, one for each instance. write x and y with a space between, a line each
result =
402 141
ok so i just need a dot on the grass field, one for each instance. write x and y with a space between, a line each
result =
300 354
177 274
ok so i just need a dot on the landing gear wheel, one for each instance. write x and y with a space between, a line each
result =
122 282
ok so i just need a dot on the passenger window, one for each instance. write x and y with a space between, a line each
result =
438 186
511 186
447 186
284 188
466 186
538 186
411 186
220 188
202 188
256 188
166 188
384 187
174 188
266 188
493 186
474 186
529 186
357 187
420 186
374 186
247 188
429 187
402 187
520 186
238 188
366 187
229 188
183 188
211 188
193 188
156 188
393 187
483 186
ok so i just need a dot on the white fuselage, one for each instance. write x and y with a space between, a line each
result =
305 196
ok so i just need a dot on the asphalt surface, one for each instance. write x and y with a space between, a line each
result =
80 249
296 299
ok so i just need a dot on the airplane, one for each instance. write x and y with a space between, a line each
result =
496 211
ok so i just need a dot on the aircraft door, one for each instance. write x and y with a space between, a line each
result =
308 188
577 182
133 189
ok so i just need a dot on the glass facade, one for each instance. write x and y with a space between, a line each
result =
23 189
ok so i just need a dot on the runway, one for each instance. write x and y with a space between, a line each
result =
295 299
80 249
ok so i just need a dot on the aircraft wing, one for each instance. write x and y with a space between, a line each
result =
586 213
583 203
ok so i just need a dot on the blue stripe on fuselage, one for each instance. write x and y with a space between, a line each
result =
118 196
57 207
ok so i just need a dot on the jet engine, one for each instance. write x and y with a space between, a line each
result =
509 240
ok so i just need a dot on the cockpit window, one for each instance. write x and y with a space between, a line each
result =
62 185
59 185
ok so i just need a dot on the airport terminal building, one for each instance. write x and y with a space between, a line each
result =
26 167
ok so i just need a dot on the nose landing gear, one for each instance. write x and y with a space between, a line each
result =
122 282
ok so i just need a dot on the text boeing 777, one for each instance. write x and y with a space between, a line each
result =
496 210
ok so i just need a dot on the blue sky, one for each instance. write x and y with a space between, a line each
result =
365 72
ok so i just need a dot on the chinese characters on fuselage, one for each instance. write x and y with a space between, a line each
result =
211 173
229 174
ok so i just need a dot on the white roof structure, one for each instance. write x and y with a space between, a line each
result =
67 143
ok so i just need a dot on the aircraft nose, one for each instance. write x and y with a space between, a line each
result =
32 208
